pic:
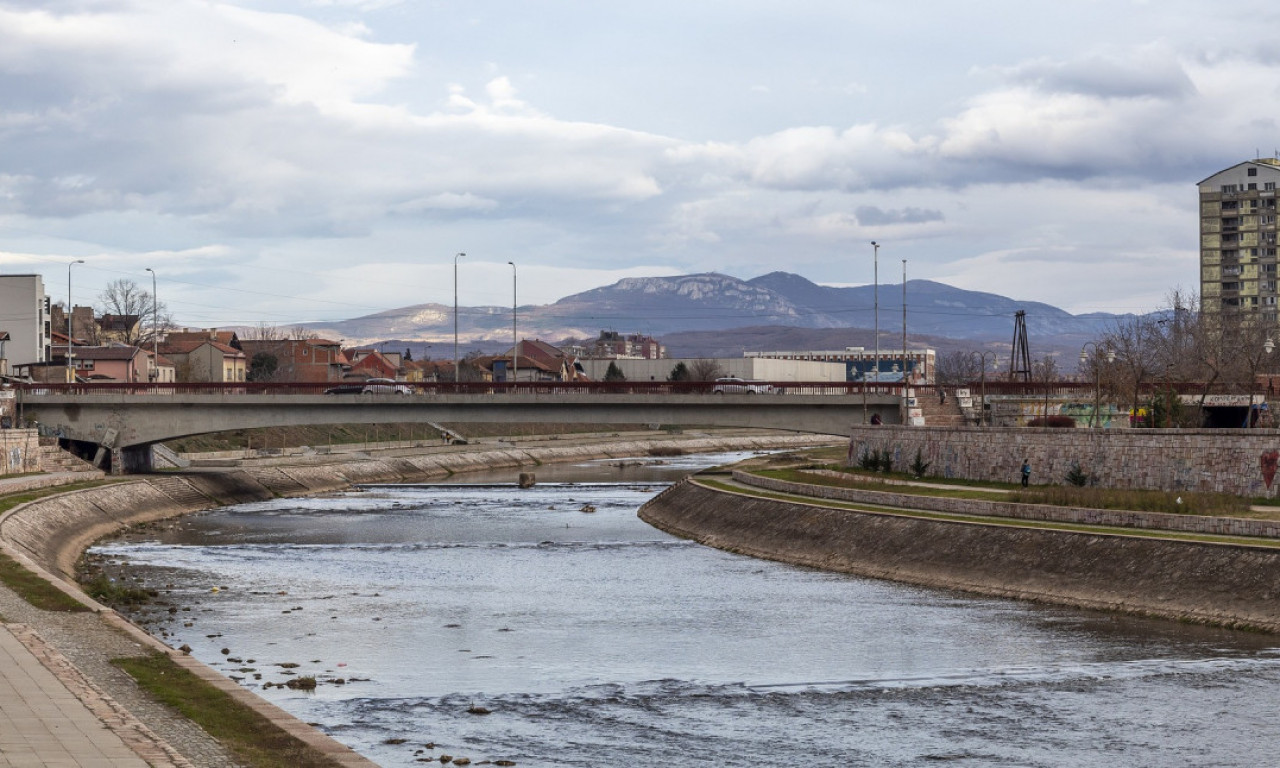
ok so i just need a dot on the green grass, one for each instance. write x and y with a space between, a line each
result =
251 737
36 590
26 584
877 483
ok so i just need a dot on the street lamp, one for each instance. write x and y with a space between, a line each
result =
71 376
876 296
1268 346
1097 376
515 340
983 420
455 316
155 328
904 327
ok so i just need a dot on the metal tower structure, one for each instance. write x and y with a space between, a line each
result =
1020 359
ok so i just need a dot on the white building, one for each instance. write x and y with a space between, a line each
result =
755 368
860 363
24 315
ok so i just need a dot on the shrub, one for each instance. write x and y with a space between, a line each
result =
1077 476
919 466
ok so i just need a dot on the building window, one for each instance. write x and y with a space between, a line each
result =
1231 269
1228 188
1253 184
1253 171
1269 301
1269 269
1269 186
1231 286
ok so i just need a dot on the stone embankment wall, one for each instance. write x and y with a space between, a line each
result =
1241 462
1233 586
1115 518
53 532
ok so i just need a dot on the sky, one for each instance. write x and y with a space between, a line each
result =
284 161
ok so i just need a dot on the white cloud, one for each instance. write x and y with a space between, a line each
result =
345 138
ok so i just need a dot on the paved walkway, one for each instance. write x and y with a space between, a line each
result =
44 723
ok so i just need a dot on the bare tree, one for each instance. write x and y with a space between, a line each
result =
302 333
705 370
957 368
127 299
264 332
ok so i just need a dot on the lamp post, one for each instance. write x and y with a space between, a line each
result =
455 316
982 372
876 297
904 327
1097 377
71 375
1268 347
515 340
155 329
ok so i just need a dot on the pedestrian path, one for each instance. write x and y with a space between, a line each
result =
42 723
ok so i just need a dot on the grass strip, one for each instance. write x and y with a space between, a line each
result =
1146 533
878 484
36 590
253 738
30 587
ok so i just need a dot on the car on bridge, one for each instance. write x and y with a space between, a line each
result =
353 388
386 387
731 385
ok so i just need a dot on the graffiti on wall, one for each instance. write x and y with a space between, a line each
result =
1268 462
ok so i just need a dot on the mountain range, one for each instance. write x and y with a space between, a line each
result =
712 314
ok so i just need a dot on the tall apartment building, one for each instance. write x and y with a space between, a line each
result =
1238 241
24 315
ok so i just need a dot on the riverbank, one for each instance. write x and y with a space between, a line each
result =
49 534
1223 584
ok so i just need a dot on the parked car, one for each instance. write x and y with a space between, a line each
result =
386 387
730 385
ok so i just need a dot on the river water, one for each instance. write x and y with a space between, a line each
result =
594 640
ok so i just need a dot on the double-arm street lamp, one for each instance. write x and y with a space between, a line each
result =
1097 376
515 340
155 329
455 316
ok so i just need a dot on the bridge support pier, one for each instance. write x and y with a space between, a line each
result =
132 460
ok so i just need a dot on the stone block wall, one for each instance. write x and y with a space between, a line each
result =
20 451
1242 462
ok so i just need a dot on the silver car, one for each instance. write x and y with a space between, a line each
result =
386 387
731 385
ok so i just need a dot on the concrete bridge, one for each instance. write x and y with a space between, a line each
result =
118 428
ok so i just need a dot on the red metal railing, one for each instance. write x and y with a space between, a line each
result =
451 388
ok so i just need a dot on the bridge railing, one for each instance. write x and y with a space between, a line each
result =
344 389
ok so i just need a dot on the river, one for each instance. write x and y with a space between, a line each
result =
592 639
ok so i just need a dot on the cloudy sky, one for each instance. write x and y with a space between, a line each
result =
287 160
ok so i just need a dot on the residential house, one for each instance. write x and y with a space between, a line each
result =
203 359
307 360
372 364
117 362
615 345
537 361
122 329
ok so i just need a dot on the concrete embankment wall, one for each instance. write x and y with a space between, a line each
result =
1233 586
53 532
1242 462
